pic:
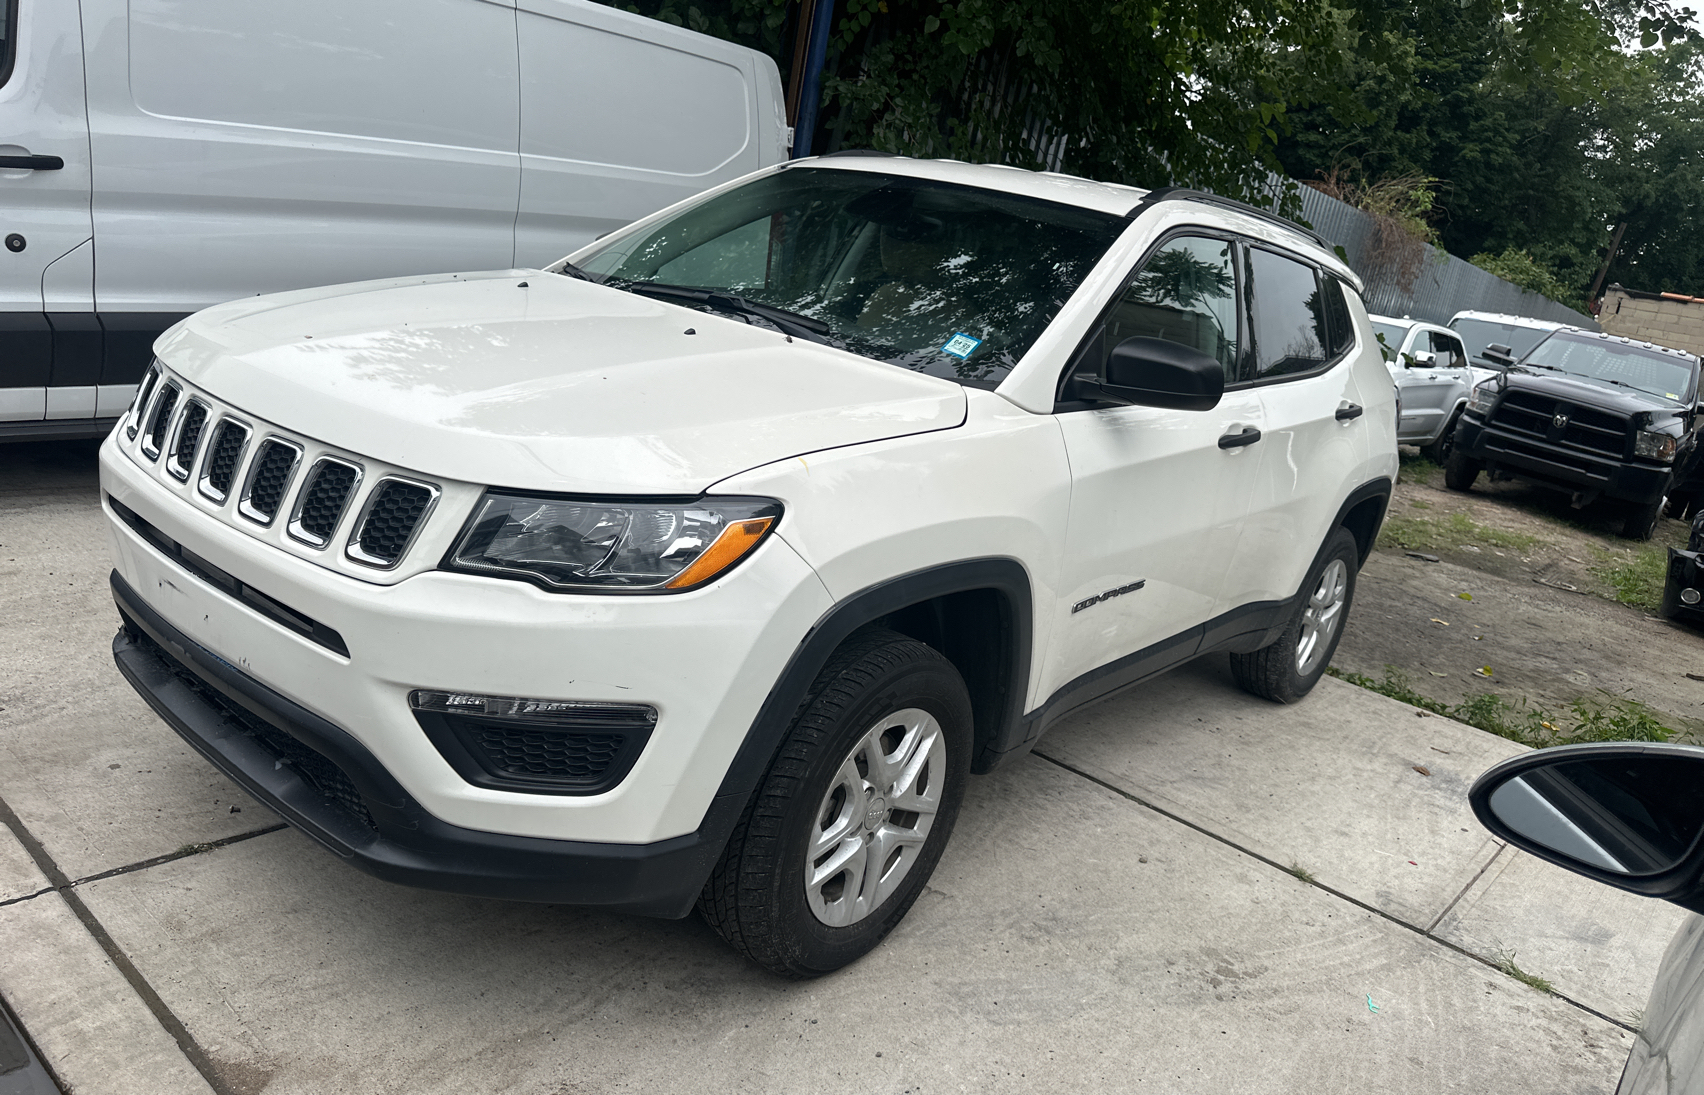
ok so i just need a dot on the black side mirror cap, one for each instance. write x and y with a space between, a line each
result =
1626 814
1499 354
1152 372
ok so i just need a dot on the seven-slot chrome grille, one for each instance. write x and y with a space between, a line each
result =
346 512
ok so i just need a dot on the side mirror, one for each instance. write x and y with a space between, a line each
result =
1624 814
1152 372
1422 359
1499 355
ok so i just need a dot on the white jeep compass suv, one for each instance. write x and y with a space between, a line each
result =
704 568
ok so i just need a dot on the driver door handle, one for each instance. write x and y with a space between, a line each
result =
1348 411
31 163
1248 436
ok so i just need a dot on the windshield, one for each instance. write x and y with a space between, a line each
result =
1667 376
1390 337
947 280
1480 333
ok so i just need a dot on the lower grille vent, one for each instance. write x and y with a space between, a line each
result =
393 514
551 754
317 770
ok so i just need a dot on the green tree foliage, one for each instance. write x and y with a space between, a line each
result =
1544 123
1522 269
1149 92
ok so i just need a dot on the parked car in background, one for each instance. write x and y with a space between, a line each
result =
703 569
1432 375
1593 415
1506 337
159 156
1628 815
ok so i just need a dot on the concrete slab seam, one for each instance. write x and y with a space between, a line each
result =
26 897
151 999
1359 904
1472 882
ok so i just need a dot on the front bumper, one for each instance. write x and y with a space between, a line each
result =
1568 469
331 787
1685 572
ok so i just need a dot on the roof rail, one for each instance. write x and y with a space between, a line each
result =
1184 193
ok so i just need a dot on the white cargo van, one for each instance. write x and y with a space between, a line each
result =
161 156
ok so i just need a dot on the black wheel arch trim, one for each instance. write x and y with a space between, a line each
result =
1005 576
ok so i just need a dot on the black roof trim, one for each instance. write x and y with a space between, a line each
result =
1184 193
859 152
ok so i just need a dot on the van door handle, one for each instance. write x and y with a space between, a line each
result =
1237 440
31 163
1348 411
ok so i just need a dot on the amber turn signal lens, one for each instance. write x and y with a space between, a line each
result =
730 547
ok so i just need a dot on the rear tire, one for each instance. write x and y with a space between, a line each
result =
1460 470
848 824
1286 669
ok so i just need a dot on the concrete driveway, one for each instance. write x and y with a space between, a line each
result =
1116 912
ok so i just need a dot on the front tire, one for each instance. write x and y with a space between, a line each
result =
1439 451
1641 523
848 824
1287 669
1460 470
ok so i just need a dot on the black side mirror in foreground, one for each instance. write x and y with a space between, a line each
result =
1152 372
1499 354
1626 814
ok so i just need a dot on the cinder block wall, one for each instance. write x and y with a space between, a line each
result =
1676 323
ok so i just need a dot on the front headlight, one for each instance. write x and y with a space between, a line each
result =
608 546
1655 446
1480 399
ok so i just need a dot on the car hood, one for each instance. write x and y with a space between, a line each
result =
1623 401
539 381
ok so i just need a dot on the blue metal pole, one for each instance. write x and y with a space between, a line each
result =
810 90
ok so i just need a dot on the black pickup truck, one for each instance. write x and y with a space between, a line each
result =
1592 414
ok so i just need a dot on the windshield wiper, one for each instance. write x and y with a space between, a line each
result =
568 269
792 323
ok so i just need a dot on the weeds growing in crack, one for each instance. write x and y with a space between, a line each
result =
1603 717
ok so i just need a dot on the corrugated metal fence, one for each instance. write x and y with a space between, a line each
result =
1445 284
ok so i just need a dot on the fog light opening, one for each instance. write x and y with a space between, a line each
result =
1689 596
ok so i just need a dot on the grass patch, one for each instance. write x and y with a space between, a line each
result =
1506 963
1300 872
1594 718
1417 469
1451 531
1636 574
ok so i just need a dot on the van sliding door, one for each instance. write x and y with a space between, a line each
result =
249 146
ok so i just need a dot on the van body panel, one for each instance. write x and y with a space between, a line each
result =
586 168
242 153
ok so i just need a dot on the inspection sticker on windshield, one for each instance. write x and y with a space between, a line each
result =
961 345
